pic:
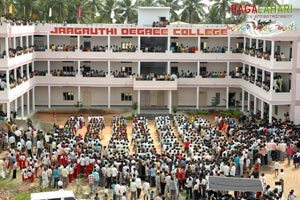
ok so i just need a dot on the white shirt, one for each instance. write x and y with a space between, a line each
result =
133 186
138 182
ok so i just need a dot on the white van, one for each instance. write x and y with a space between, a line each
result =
56 195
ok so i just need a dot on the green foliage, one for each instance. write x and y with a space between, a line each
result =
231 113
134 105
214 101
193 11
199 112
129 117
174 108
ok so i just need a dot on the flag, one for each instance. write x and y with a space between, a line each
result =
79 12
50 12
10 9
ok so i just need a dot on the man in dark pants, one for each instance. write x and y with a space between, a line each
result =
189 186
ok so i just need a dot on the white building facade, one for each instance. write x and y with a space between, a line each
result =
116 65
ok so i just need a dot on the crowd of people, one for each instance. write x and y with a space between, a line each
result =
217 49
183 49
190 150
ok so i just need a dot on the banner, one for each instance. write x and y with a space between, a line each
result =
79 12
50 12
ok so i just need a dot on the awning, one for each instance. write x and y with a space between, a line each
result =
234 184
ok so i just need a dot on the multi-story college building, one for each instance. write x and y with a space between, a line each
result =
153 63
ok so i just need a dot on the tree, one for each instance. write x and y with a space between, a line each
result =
107 11
59 10
174 8
213 17
193 11
146 3
126 12
223 7
265 2
24 8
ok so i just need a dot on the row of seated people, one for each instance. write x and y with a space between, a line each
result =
58 72
257 53
152 49
63 47
184 49
94 73
18 51
12 82
15 21
217 49
213 74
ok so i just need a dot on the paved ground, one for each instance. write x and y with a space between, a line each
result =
291 174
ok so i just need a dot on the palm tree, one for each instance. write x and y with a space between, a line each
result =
87 13
126 12
213 17
193 11
59 10
265 2
106 12
146 3
174 8
223 7
24 8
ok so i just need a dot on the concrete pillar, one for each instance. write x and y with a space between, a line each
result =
169 43
49 96
255 73
271 81
15 74
198 68
108 96
264 45
7 80
139 68
108 68
78 67
22 106
228 43
262 109
256 47
263 75
32 40
78 42
21 41
108 42
32 66
14 42
48 41
197 97
199 43
139 43
8 110
27 41
28 104
227 97
27 71
270 113
33 98
250 43
48 62
272 50
79 93
248 102
6 47
169 68
228 68
139 102
170 101
22 70
243 100
244 67
255 105
16 105
245 43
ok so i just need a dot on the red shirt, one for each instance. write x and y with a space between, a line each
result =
187 144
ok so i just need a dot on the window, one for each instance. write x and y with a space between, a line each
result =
68 96
68 68
126 97
126 45
276 110
128 70
218 96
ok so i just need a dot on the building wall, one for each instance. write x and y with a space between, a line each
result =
41 65
116 96
188 66
215 66
298 86
186 96
118 40
214 42
281 111
99 96
118 65
96 65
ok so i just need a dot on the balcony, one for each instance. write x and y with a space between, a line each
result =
17 61
154 84
135 56
12 30
79 80
207 82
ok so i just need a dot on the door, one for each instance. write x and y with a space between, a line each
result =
87 46
160 98
87 98
202 99
231 99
